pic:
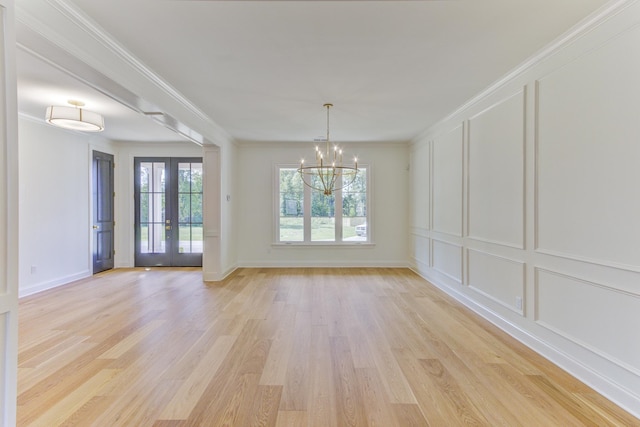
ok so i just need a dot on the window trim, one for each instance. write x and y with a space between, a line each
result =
307 242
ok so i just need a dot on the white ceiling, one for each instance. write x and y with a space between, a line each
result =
263 69
41 84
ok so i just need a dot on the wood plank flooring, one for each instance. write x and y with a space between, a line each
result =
282 347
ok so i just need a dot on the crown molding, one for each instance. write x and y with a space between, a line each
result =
592 21
75 16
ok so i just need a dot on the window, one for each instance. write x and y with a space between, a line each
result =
308 216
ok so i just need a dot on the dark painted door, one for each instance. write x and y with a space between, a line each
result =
103 237
168 211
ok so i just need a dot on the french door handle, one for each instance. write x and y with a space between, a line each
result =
95 227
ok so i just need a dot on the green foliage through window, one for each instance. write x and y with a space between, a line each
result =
293 195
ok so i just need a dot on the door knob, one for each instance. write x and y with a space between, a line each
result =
95 227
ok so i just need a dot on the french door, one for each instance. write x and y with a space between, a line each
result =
168 211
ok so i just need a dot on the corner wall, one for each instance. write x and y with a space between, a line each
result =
525 204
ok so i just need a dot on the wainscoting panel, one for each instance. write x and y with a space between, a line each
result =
543 175
498 278
421 250
447 259
588 155
496 173
598 317
447 182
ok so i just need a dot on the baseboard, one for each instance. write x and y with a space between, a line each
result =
603 385
214 276
40 287
323 264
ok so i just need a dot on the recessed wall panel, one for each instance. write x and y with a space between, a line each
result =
420 186
588 154
447 259
447 182
600 318
498 278
421 251
496 173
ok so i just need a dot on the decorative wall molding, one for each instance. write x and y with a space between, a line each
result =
494 242
495 298
422 232
453 133
573 257
433 251
585 26
557 355
567 335
520 96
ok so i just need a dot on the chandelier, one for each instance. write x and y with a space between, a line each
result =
328 174
76 117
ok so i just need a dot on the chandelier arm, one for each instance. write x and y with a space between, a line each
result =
347 184
307 182
326 175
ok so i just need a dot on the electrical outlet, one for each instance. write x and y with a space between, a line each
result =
34 269
519 303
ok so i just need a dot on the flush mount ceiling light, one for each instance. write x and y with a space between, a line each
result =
76 117
328 174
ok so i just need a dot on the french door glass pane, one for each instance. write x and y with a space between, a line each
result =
190 207
152 239
152 207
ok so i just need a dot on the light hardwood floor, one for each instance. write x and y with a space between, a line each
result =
282 347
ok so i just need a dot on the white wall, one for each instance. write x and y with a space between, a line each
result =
126 152
529 193
55 202
220 212
229 195
55 168
388 214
